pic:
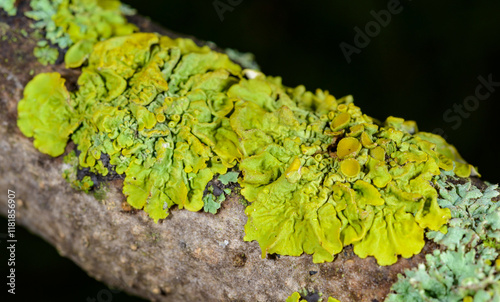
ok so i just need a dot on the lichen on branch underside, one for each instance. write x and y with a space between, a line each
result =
319 173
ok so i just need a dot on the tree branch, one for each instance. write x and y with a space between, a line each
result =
188 256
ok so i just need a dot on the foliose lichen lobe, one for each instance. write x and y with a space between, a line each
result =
319 173
46 114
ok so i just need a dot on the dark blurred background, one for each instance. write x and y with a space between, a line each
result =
425 61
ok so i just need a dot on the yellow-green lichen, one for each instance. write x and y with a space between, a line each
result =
319 173
46 113
298 297
300 180
78 53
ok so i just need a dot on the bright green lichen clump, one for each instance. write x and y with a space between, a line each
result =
319 174
46 113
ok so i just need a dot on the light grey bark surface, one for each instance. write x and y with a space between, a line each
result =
186 257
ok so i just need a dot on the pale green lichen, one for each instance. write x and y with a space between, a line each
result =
42 12
214 195
79 22
211 202
45 54
229 177
319 173
245 59
9 6
466 270
213 199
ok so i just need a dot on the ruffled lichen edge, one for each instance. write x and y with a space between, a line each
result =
355 155
466 266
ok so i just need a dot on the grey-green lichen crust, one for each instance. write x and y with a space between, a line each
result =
468 267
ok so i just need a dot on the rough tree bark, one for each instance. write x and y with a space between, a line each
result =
188 256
